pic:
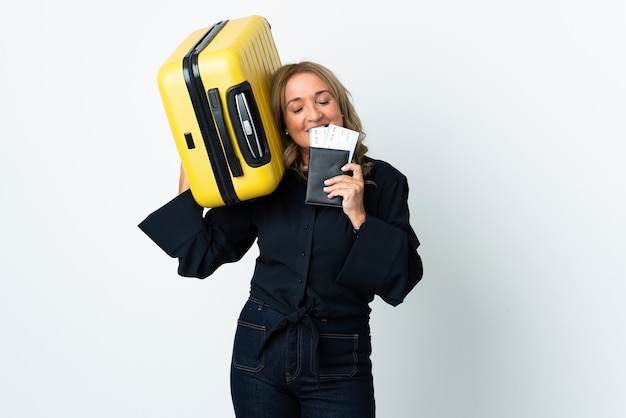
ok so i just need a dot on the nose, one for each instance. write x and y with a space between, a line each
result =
313 113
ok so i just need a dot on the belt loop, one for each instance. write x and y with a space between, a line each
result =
259 302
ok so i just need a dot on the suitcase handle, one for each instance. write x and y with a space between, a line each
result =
215 102
247 125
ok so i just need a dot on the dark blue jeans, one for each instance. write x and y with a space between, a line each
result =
301 372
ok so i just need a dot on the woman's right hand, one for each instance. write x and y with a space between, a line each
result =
183 182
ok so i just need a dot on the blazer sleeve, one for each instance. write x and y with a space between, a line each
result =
384 258
201 243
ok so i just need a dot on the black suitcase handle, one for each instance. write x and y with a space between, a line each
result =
215 102
247 125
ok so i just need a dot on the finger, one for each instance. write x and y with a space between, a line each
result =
346 188
340 181
357 172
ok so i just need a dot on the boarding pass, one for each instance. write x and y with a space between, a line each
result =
334 137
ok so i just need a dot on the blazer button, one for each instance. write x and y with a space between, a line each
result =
303 254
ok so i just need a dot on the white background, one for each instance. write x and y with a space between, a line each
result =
508 117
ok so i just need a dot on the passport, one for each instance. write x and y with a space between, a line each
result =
324 163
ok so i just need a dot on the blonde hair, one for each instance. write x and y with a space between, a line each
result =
351 120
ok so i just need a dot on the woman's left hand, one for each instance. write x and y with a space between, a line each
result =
350 188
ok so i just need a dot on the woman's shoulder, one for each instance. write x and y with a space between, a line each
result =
384 171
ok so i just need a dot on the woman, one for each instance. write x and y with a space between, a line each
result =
302 345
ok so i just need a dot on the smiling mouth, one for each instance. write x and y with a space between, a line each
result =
315 127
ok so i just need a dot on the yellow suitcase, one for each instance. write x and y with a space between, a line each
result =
215 89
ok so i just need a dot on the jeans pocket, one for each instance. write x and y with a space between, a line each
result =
338 355
247 353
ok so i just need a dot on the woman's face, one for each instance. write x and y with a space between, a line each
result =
308 104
